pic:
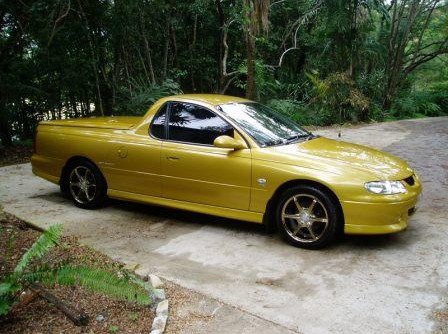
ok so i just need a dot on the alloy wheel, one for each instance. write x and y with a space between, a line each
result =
82 185
305 218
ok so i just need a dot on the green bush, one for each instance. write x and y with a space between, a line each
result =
420 104
339 93
441 99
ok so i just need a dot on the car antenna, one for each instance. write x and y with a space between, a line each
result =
340 124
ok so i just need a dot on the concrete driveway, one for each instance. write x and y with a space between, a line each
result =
383 284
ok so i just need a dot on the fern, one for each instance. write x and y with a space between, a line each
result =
5 305
94 279
430 109
125 287
99 280
5 288
320 86
46 241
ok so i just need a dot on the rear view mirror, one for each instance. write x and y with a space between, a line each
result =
229 142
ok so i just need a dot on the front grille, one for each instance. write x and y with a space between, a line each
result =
410 180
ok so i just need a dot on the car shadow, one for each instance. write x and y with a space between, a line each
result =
160 213
384 241
186 217
197 220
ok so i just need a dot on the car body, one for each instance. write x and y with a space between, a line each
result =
162 159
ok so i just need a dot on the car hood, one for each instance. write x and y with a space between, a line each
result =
335 155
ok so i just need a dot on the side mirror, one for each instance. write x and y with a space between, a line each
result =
229 142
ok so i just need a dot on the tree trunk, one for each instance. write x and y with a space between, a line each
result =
221 44
166 48
250 84
147 49
5 128
74 106
404 16
90 38
192 48
25 112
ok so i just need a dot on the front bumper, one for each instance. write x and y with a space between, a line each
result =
377 218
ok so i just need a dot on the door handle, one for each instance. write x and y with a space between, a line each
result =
172 158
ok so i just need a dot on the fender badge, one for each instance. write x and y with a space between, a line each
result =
262 182
122 152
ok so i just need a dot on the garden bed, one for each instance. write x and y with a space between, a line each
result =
107 315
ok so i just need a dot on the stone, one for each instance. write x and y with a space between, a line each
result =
156 331
131 266
159 323
100 317
155 281
157 295
142 273
162 308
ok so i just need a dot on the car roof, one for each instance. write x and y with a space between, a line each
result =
213 99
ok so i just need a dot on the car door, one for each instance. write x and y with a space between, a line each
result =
193 170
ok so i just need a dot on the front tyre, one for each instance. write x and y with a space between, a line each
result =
307 217
86 185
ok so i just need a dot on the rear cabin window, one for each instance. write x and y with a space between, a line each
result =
158 124
194 124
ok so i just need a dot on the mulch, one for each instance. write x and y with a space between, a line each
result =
42 317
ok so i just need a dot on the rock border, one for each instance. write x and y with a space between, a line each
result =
161 304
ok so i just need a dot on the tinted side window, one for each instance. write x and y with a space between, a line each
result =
158 124
194 124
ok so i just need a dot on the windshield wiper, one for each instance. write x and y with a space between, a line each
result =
273 143
297 137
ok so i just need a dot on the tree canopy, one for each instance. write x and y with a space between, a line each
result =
317 61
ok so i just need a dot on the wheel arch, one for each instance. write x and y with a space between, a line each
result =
269 219
65 170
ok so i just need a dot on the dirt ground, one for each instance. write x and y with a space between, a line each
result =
40 316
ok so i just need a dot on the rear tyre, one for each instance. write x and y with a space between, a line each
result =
85 185
307 217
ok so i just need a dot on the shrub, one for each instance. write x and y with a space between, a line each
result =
419 104
142 95
338 93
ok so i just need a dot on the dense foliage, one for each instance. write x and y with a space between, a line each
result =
318 61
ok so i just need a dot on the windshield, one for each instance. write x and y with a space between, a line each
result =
263 124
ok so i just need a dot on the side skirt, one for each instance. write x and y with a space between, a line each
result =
254 217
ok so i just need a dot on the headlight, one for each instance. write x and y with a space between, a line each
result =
386 187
